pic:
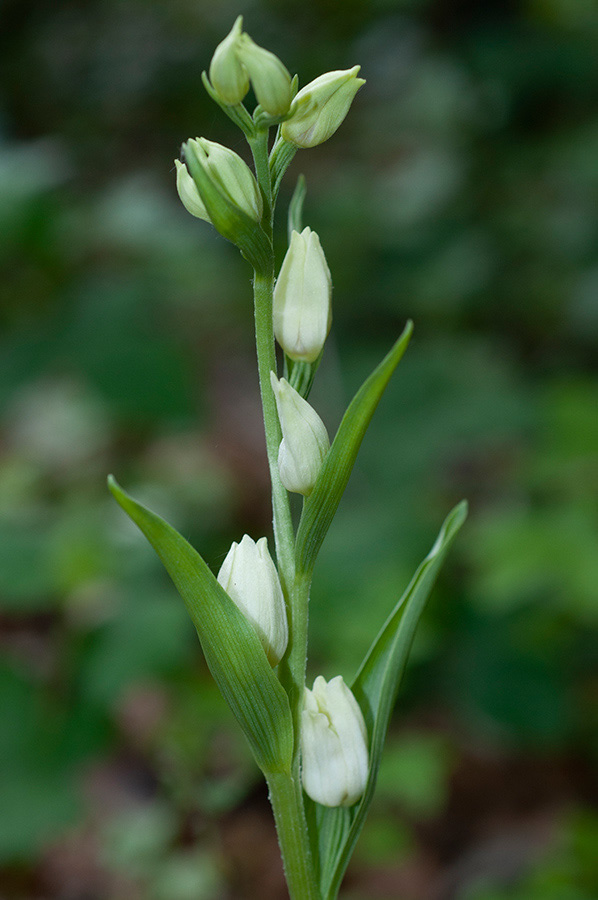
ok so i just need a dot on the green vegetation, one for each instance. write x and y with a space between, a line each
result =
126 346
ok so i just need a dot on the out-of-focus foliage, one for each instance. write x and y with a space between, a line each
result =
462 191
571 872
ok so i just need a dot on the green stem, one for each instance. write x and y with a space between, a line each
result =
291 827
285 790
296 660
263 286
263 290
259 150
292 669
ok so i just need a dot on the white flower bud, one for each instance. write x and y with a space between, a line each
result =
239 60
188 192
334 749
270 79
302 310
230 174
320 107
249 577
228 75
304 442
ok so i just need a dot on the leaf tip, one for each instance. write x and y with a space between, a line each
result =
404 337
461 512
113 485
116 491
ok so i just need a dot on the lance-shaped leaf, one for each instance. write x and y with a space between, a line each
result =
334 832
231 646
322 503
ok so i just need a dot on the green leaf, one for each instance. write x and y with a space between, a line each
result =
230 644
335 831
321 505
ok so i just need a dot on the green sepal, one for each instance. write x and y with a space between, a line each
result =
334 832
321 505
231 646
233 223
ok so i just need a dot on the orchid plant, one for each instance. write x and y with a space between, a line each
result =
318 749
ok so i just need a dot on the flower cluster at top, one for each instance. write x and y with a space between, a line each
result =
305 119
311 117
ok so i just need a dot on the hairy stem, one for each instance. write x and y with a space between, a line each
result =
296 660
291 827
285 790
263 286
259 150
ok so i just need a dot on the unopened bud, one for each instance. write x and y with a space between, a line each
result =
320 107
188 192
270 80
334 751
302 310
237 61
228 75
249 577
304 442
229 174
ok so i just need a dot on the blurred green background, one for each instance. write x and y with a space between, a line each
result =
461 191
